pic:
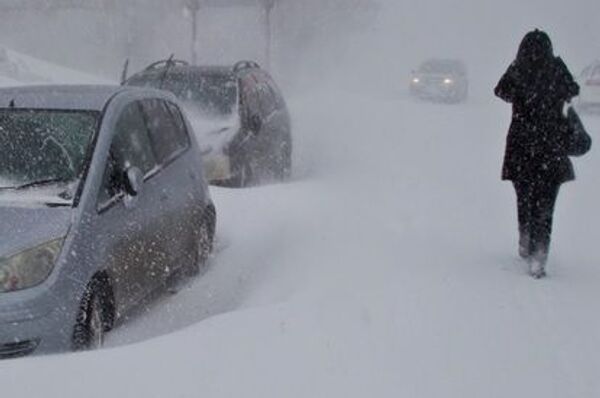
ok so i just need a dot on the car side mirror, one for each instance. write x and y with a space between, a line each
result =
134 179
255 124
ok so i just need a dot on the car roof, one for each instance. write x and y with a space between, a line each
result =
68 97
186 69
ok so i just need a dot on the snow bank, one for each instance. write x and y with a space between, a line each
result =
18 69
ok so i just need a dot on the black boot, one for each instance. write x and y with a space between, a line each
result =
524 245
537 264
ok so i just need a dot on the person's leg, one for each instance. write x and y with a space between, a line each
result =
524 194
544 200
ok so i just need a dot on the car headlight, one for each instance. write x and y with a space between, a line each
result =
416 80
30 267
448 81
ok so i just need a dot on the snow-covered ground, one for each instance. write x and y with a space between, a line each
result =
387 268
18 69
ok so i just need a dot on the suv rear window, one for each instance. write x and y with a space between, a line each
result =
211 94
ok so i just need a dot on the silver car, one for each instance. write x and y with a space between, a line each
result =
440 80
102 202
589 81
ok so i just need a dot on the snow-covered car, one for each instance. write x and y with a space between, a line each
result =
238 113
102 202
589 82
440 80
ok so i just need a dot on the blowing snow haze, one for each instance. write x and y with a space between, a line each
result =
372 41
386 265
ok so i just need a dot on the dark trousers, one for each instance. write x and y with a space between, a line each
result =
535 202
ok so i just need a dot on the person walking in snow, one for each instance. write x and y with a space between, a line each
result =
538 85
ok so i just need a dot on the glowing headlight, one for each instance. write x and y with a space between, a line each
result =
29 268
448 81
416 80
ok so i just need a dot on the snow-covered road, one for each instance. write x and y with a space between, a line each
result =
387 268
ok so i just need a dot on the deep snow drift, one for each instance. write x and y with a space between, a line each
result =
388 268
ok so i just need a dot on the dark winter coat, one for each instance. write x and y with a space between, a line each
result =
538 84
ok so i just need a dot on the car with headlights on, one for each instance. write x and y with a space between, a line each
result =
440 80
589 82
103 203
238 113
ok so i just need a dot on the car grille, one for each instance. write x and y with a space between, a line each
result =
18 349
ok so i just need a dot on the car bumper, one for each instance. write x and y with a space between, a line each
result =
433 91
33 323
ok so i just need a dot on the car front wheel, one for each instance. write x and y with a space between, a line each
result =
206 236
282 166
91 324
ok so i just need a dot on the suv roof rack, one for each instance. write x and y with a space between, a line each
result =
241 65
166 62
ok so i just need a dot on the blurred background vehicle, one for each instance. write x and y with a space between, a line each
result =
440 80
589 83
102 202
238 114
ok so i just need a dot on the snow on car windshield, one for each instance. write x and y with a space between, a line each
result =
42 146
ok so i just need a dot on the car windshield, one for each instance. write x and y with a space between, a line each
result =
211 94
442 67
43 147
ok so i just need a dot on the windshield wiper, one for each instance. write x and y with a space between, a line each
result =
54 205
168 66
36 184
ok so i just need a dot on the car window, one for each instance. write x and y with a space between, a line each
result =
211 94
112 182
250 97
267 100
443 67
276 93
130 148
165 135
181 133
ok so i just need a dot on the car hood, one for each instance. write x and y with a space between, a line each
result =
22 228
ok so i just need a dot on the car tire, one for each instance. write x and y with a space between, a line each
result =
283 164
93 320
206 238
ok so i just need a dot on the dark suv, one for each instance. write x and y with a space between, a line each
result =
238 114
